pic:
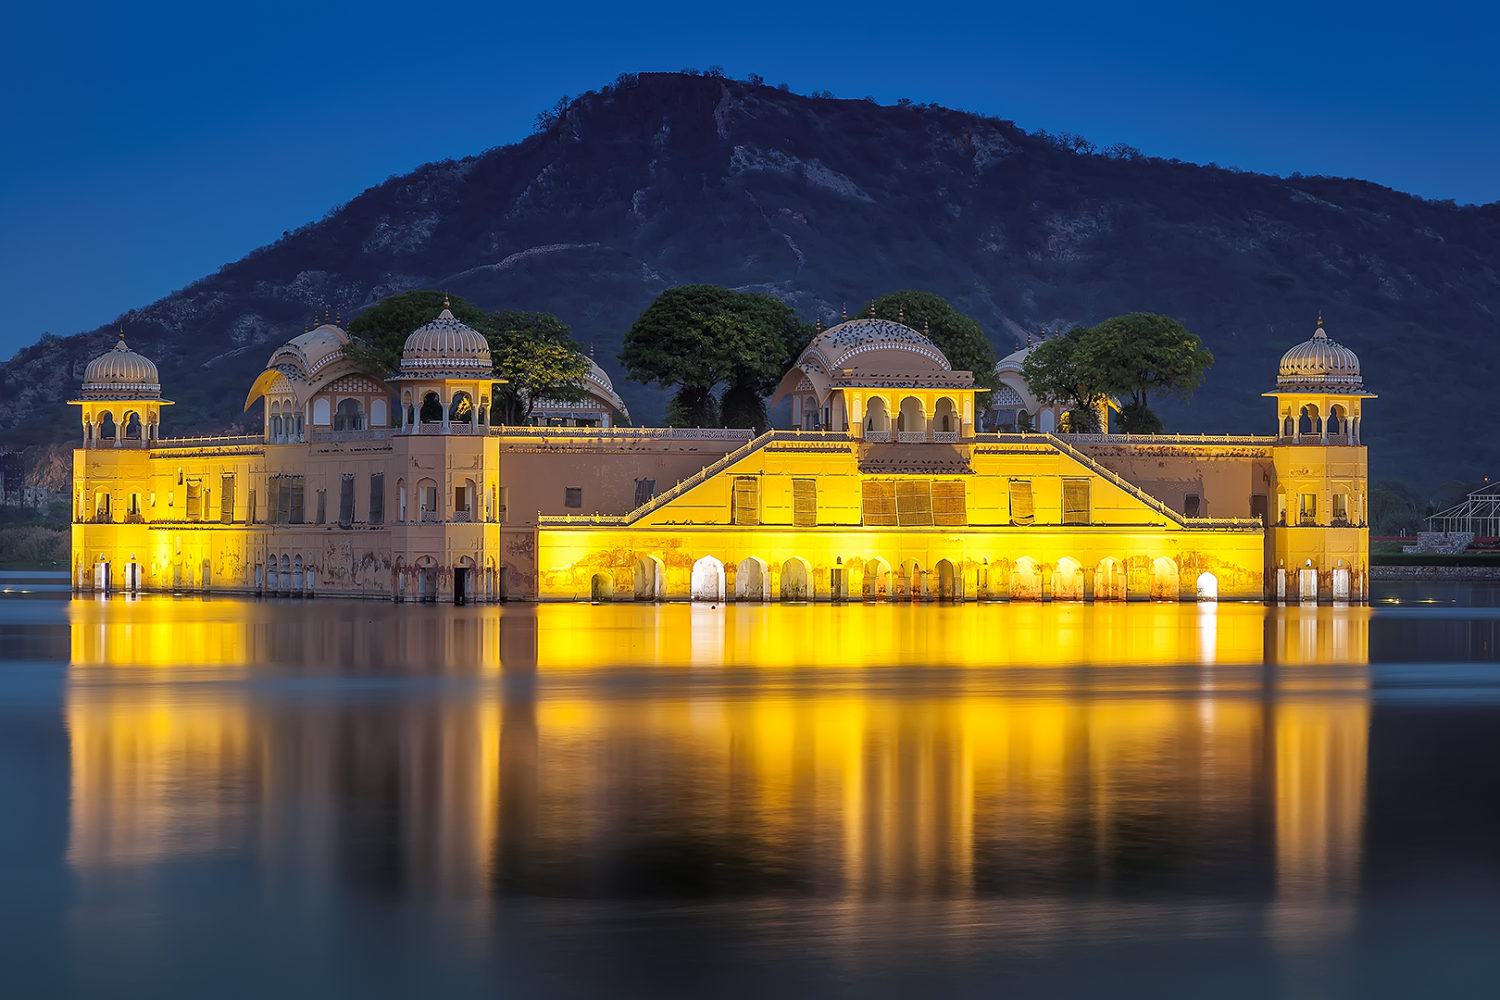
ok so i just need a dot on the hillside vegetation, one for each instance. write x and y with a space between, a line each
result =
670 179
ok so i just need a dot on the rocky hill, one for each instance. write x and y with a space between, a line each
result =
672 178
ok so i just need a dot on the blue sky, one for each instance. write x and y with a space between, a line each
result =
148 144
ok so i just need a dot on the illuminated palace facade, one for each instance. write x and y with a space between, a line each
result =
885 487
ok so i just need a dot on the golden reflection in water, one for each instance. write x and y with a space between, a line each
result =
856 752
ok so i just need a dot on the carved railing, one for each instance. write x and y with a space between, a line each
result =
363 434
877 437
629 433
911 437
945 437
1145 439
218 440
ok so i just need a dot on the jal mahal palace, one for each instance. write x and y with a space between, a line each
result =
887 486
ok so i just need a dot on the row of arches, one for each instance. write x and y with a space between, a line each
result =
427 408
1311 421
286 574
130 426
911 415
874 579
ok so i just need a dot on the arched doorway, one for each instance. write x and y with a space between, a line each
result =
1164 585
1109 580
1207 587
751 580
297 572
1341 581
707 582
1307 588
876 585
877 416
949 586
601 588
648 579
1067 580
1025 580
796 580
912 585
463 578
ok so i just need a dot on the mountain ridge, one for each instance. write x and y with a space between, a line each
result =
665 179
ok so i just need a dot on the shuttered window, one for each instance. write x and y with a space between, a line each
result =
295 499
1022 511
949 508
1190 505
804 503
346 500
880 502
321 517
250 507
226 498
194 500
746 500
1076 506
914 502
377 499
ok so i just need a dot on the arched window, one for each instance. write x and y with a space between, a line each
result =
945 415
911 418
133 426
349 416
320 412
462 409
106 426
877 416
432 409
378 416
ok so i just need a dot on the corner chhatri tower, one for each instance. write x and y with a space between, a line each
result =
1319 539
885 488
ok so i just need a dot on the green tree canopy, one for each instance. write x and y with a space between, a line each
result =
1127 356
703 337
1145 352
536 355
960 338
1066 370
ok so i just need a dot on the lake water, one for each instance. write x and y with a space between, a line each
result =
226 798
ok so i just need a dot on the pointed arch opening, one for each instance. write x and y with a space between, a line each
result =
796 580
707 582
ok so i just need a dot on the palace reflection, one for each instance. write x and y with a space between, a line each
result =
853 752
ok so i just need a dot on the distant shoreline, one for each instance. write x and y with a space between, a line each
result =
1455 571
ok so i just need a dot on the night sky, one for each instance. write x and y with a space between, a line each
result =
149 144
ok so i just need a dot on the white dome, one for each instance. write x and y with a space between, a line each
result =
1319 362
877 344
121 374
446 348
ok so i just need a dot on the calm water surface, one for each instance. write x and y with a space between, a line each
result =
238 798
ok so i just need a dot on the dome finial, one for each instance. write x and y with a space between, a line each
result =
1028 337
121 327
900 314
818 325
591 352
872 308
846 312
1320 333
926 330
445 301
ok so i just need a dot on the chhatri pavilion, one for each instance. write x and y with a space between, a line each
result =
886 486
